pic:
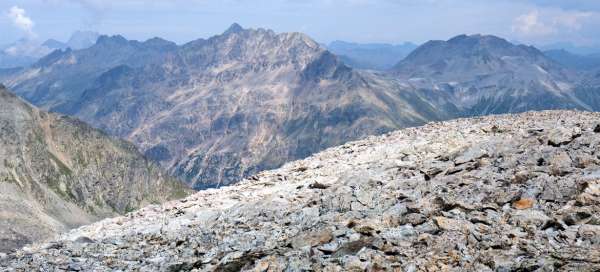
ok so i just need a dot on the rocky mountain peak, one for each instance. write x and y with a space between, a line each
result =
301 39
105 40
469 56
54 57
54 44
479 39
261 48
159 43
82 39
485 74
233 29
469 46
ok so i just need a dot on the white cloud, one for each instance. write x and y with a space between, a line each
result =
19 18
549 22
530 24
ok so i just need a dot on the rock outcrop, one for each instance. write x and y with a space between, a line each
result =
57 173
498 193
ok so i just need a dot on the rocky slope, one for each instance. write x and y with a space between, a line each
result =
215 110
57 173
498 193
487 74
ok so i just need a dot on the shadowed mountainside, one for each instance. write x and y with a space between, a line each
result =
57 173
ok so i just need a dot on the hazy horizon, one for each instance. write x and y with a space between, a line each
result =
362 21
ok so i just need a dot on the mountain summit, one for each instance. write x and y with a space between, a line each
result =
234 28
464 58
486 74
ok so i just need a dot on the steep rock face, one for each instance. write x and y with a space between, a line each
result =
498 193
57 173
215 110
487 74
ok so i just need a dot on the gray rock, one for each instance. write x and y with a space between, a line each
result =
373 215
560 136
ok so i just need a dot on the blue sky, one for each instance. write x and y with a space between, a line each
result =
392 21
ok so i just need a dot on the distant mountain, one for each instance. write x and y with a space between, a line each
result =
7 73
215 110
78 40
588 88
22 53
82 39
25 52
8 61
54 44
57 173
575 49
487 74
370 56
574 61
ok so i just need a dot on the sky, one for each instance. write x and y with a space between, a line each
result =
536 22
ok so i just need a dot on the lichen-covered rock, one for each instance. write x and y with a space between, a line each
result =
466 195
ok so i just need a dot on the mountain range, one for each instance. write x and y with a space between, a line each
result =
57 173
213 111
574 61
78 40
372 56
217 111
25 52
